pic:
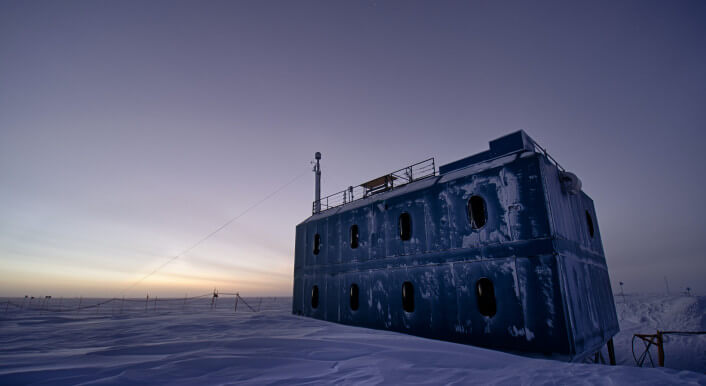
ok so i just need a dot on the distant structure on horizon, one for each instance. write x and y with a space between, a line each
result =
500 249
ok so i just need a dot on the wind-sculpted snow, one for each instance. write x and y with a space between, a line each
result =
645 314
192 344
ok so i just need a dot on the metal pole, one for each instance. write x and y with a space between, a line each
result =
317 186
660 349
611 352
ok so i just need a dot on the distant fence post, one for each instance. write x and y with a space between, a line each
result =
236 303
147 299
214 299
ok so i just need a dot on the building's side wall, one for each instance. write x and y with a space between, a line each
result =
444 260
585 281
528 317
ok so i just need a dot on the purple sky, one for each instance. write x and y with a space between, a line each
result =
130 129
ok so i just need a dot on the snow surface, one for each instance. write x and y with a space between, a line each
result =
190 343
645 314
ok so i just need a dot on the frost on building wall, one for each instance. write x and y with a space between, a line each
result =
501 249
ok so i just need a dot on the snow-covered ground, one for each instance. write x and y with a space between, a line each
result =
645 314
178 343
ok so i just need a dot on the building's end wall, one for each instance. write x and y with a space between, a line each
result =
588 298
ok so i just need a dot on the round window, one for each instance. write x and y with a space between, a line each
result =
477 214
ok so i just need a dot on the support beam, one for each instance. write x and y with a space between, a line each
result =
611 351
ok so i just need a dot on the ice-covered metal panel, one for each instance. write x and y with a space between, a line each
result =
514 142
414 205
359 217
538 279
334 239
589 301
568 211
506 329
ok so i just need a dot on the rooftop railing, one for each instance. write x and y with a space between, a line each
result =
539 149
404 176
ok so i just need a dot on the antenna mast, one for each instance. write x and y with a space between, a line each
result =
317 188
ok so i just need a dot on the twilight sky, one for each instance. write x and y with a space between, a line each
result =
131 129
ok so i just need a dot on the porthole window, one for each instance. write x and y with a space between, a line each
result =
485 295
477 213
355 235
315 296
317 244
408 296
405 226
589 222
354 297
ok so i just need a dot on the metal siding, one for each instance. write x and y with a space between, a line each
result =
590 303
458 192
539 286
395 207
333 241
585 282
505 330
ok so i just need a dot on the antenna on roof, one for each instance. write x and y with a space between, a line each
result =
317 188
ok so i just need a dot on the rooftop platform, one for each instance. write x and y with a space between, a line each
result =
512 143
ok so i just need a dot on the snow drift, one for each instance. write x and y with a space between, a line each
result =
192 344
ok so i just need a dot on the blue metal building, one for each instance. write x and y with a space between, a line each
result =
501 249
